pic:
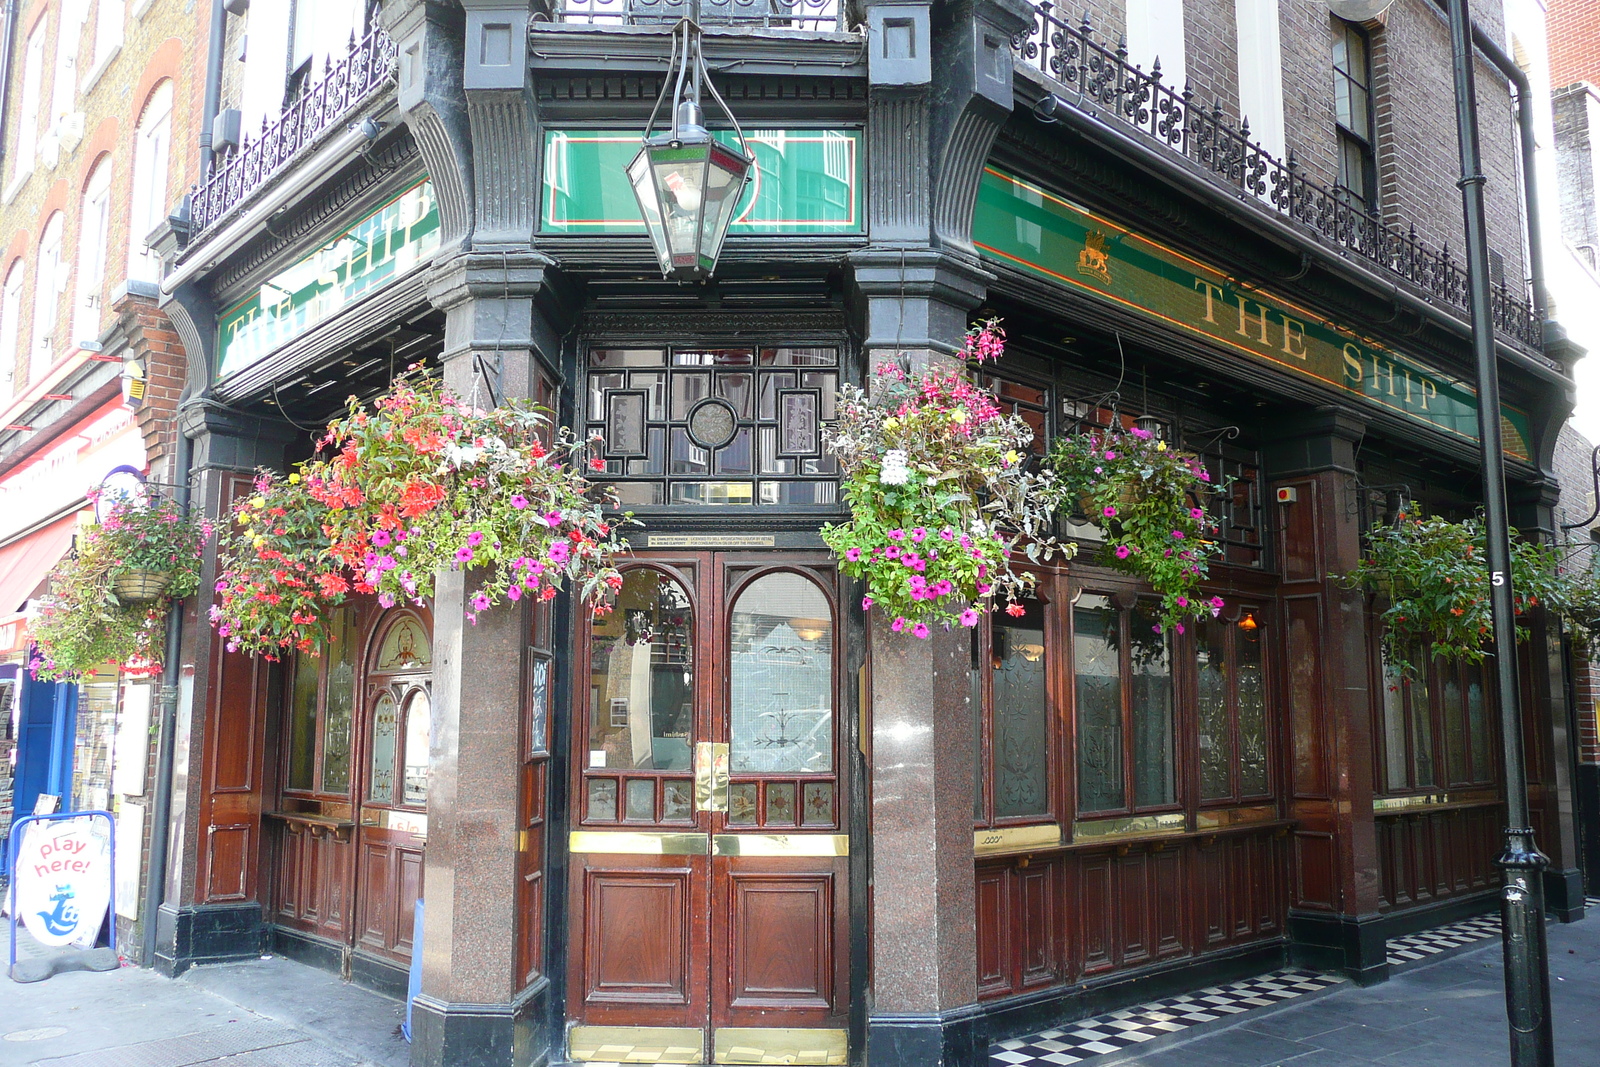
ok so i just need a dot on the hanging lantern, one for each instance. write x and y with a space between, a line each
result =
687 182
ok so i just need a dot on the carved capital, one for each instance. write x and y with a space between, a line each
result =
432 97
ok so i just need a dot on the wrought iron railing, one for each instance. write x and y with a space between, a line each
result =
368 65
1103 78
815 15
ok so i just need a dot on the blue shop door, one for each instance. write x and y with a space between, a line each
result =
47 721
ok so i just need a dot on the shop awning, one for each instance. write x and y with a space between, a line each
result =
25 562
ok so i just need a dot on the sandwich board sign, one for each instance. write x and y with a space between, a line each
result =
63 878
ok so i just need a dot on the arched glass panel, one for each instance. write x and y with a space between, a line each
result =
405 647
781 672
419 719
385 729
341 699
641 677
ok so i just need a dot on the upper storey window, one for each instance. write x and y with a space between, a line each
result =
149 201
715 425
28 110
1352 100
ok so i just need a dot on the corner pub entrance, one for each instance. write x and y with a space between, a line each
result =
739 820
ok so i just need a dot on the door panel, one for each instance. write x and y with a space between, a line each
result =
708 874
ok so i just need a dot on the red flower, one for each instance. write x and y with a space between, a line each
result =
1015 609
596 463
419 498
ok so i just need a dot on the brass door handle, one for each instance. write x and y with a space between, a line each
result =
710 776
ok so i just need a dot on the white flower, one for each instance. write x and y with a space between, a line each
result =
894 471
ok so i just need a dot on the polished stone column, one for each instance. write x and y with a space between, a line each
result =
472 1009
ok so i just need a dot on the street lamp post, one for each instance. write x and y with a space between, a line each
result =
687 182
1527 970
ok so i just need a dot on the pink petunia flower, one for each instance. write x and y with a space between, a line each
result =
1123 551
920 630
969 617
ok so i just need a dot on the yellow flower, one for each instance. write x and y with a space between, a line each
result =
294 479
891 423
258 503
1161 446
1011 458
958 415
260 541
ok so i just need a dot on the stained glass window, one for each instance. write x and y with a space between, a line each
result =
1097 677
781 669
714 426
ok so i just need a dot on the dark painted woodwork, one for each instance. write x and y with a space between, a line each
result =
1076 914
1426 857
643 943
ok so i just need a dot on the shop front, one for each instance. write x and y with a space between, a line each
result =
738 819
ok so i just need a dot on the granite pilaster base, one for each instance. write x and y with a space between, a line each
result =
482 1035
1355 945
207 933
933 1039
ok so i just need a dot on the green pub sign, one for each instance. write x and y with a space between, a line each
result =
804 181
1021 225
384 246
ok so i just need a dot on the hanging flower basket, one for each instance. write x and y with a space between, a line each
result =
108 601
1434 574
420 482
942 489
140 586
1149 501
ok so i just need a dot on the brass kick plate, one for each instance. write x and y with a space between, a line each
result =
637 1044
622 843
780 845
757 1044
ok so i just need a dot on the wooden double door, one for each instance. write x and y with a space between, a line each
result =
709 860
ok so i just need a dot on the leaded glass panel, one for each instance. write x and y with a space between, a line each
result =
1478 727
1154 782
1215 740
341 698
1097 680
1396 765
419 720
1250 686
693 426
1455 724
385 748
1021 714
303 724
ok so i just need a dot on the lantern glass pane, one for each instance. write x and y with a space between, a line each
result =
680 177
639 176
724 183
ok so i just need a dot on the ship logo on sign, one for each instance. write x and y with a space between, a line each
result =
1094 261
63 918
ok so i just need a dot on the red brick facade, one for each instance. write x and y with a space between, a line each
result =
1574 28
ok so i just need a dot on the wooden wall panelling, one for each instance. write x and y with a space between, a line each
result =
1168 902
781 944
637 925
1038 905
229 854
1096 914
994 932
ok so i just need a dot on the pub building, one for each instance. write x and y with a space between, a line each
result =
737 819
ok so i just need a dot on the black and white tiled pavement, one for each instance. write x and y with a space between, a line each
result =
1120 1030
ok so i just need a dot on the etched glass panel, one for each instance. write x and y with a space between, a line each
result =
798 424
385 750
677 800
419 719
602 800
1216 741
1421 723
1154 780
818 804
1249 678
625 424
781 678
742 804
303 724
405 647
1478 726
341 699
980 771
642 677
642 800
1097 682
1021 714
780 804
1397 769
1455 724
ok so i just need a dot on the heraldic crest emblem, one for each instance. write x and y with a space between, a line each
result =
1094 260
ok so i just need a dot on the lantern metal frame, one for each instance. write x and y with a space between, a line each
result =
689 140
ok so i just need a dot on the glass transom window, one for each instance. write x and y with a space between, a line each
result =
715 425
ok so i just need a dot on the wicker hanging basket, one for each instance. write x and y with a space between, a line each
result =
137 586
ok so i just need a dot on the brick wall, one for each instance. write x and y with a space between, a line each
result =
1571 465
1574 29
1577 114
166 41
1212 54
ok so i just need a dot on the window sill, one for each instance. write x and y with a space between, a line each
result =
100 67
16 185
142 8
